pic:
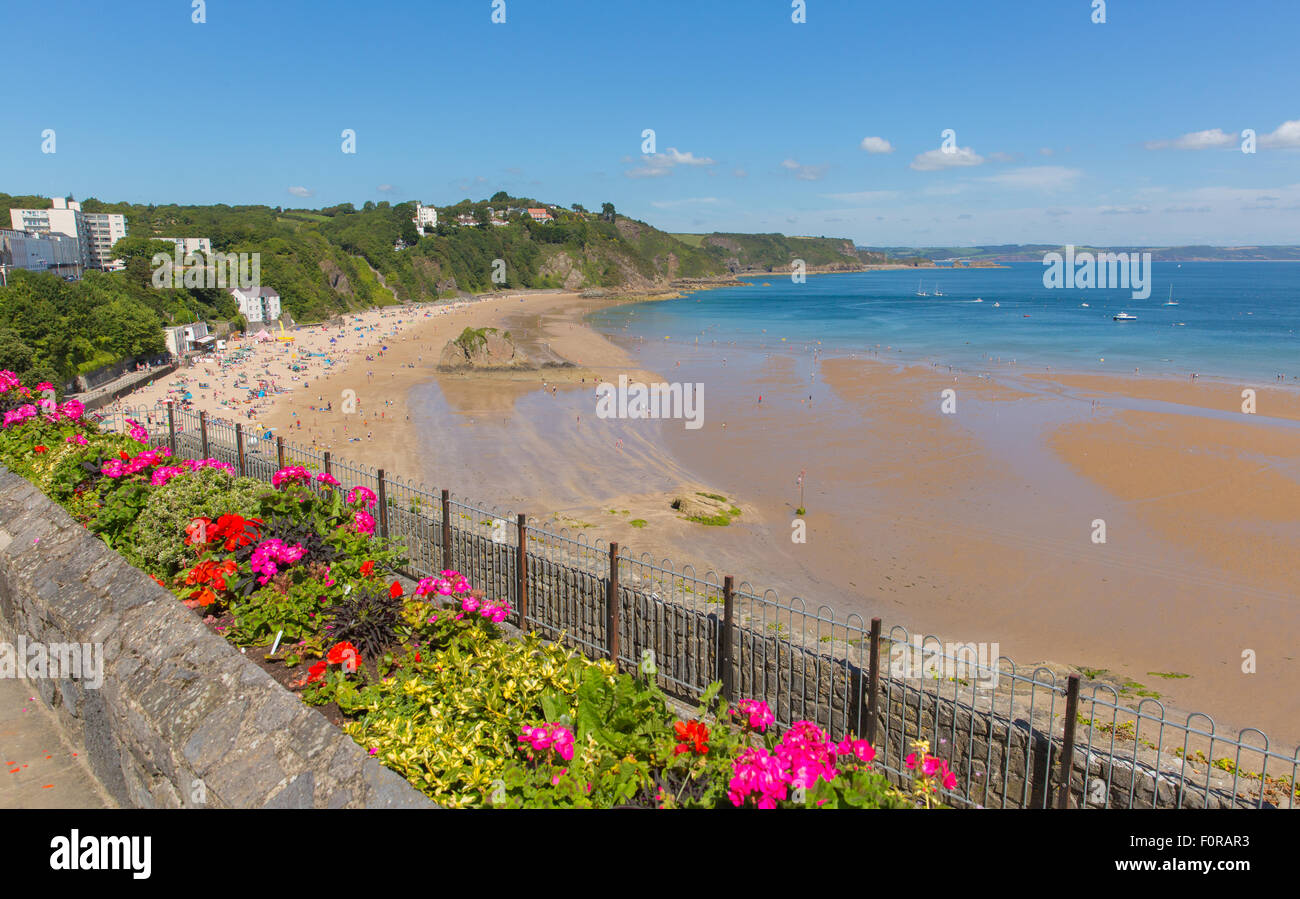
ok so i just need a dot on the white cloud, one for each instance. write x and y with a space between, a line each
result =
386 188
934 160
805 172
302 192
1285 136
1004 157
1040 177
657 165
1213 139
876 145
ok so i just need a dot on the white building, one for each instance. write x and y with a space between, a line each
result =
54 253
182 339
425 217
187 245
105 229
96 232
257 304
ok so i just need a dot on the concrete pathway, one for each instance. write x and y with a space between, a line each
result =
42 768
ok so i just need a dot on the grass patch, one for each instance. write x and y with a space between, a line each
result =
637 522
1168 675
1133 688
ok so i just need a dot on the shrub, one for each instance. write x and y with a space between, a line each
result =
158 540
450 722
298 611
369 616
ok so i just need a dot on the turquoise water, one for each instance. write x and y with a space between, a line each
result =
1233 319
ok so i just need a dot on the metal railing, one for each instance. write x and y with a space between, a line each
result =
1015 738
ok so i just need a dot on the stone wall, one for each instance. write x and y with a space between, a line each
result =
181 719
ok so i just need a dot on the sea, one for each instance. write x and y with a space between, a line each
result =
1236 320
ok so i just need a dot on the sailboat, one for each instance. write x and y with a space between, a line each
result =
919 291
1171 301
937 291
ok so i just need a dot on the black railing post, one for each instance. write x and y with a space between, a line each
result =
728 621
383 505
171 428
239 448
203 434
521 572
611 605
279 451
1067 750
873 682
446 529
327 462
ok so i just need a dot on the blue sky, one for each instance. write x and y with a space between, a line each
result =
1065 130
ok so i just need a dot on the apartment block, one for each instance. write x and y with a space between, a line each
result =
257 304
188 245
55 253
95 232
425 217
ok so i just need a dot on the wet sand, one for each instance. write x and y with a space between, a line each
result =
975 526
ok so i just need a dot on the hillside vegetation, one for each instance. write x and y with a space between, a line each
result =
329 261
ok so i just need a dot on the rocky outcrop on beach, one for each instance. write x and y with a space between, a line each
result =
483 350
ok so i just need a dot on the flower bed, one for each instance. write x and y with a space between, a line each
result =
422 675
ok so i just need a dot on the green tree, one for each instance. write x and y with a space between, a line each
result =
15 355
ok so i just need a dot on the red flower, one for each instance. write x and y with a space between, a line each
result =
343 653
236 530
207 576
693 737
40 447
417 656
395 590
197 531
367 568
126 457
161 582
317 672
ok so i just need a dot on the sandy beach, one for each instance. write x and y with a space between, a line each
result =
977 525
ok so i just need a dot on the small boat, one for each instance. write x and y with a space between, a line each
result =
1171 301
937 291
1123 317
996 305
977 300
919 291
1084 305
